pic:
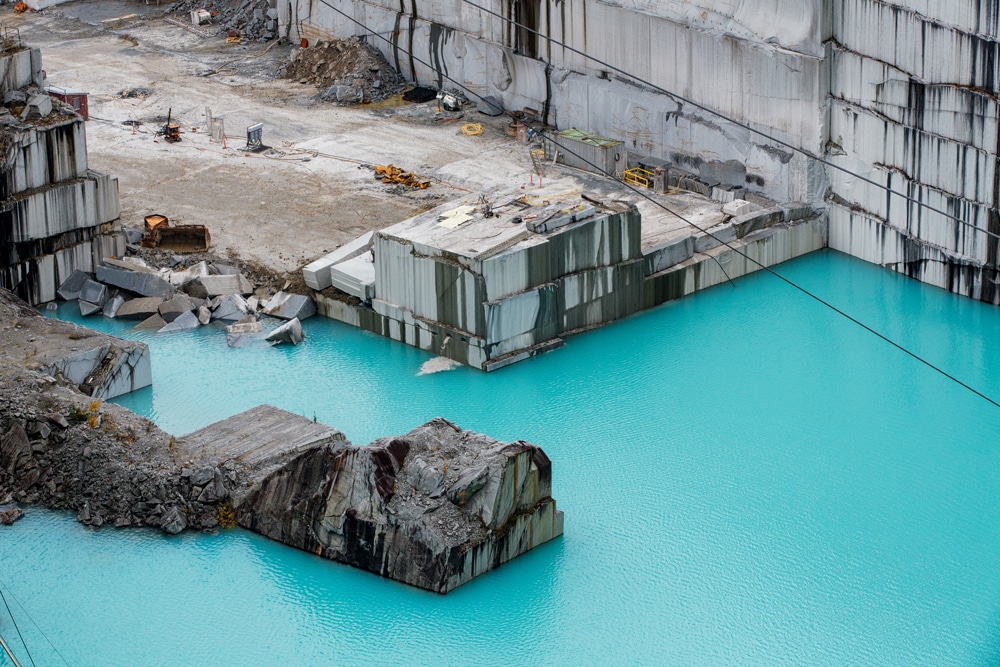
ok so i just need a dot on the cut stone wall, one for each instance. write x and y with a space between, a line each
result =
903 92
55 213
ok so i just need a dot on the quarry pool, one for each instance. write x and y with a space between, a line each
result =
747 479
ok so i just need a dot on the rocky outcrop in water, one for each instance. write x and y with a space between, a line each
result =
433 508
62 449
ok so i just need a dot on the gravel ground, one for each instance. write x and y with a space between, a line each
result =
281 208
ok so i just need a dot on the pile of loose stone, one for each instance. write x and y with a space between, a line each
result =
63 450
187 297
31 103
347 71
254 20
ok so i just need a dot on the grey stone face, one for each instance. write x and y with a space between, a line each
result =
95 293
290 306
289 332
140 282
173 521
87 308
173 308
231 307
139 309
70 288
183 322
113 305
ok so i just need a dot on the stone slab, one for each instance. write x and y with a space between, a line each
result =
317 274
290 306
355 276
183 322
95 293
222 285
139 309
261 438
289 332
146 284
113 305
70 288
198 270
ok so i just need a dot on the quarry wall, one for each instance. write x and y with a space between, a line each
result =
902 92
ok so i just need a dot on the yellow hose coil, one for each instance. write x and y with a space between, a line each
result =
472 129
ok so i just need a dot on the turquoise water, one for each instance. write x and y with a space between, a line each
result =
747 479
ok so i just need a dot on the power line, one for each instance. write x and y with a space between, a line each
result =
738 123
10 654
37 627
23 643
768 269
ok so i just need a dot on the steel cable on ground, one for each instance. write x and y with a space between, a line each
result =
745 126
14 620
37 627
767 269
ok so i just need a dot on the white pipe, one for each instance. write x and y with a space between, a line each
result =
9 654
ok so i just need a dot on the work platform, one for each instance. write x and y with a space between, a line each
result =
492 279
262 438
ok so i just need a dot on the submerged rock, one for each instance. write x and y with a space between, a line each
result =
173 521
9 514
242 327
433 508
289 332
185 321
139 309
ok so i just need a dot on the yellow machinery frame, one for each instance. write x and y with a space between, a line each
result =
638 176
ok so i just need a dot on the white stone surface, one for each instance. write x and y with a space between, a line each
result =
355 276
290 306
317 274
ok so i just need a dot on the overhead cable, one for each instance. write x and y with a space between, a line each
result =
738 123
721 241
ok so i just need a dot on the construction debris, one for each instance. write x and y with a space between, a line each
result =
134 93
252 20
346 70
394 175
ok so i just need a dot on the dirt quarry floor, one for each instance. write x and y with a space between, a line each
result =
283 207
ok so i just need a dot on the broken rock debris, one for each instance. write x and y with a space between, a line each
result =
179 298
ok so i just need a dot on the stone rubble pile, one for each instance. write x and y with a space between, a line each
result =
62 449
253 20
346 71
98 460
187 297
